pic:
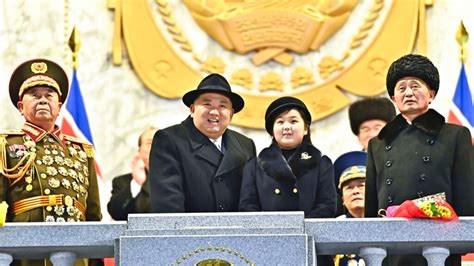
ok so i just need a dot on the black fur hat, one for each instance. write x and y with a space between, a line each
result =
368 109
412 65
282 104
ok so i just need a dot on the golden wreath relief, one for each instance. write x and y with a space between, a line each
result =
269 48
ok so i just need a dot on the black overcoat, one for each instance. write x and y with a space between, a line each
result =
122 203
303 183
429 156
189 174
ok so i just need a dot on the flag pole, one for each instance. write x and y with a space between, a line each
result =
74 44
462 36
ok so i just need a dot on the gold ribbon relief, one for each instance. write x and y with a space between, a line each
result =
267 48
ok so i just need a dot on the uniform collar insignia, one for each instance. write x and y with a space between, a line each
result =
36 133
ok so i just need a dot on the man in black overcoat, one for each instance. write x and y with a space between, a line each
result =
418 154
130 192
197 166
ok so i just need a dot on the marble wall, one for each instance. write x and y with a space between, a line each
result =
120 107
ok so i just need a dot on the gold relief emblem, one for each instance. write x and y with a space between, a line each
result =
213 65
242 77
269 48
228 256
271 81
270 27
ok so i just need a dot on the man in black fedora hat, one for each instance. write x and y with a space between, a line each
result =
197 166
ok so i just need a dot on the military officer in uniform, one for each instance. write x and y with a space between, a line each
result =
46 176
367 117
349 171
418 154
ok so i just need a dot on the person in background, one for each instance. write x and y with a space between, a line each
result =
349 170
130 192
291 174
418 154
197 166
45 175
368 116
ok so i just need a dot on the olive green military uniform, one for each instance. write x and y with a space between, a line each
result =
45 176
48 177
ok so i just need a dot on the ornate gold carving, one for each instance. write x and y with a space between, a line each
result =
162 68
217 262
271 81
329 64
301 76
147 45
213 65
175 30
270 27
242 77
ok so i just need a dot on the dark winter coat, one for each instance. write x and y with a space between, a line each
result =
303 183
406 162
189 174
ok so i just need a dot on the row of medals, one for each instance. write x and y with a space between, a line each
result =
77 170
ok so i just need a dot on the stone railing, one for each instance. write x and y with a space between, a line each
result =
268 238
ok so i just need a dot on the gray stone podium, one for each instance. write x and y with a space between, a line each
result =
238 238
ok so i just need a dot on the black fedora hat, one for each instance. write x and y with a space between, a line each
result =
38 72
281 104
218 84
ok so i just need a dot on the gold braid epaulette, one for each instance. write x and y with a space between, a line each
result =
3 213
88 148
10 172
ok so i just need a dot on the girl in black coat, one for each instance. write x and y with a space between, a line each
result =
291 174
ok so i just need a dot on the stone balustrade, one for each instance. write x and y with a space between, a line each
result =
265 238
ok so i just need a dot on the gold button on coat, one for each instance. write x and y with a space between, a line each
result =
277 191
295 190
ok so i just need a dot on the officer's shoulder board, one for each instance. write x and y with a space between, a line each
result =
87 146
6 133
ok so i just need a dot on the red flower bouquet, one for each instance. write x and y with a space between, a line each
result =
430 207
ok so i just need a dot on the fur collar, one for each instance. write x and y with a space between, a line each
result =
274 164
430 122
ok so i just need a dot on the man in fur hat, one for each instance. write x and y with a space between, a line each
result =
368 116
197 166
418 154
